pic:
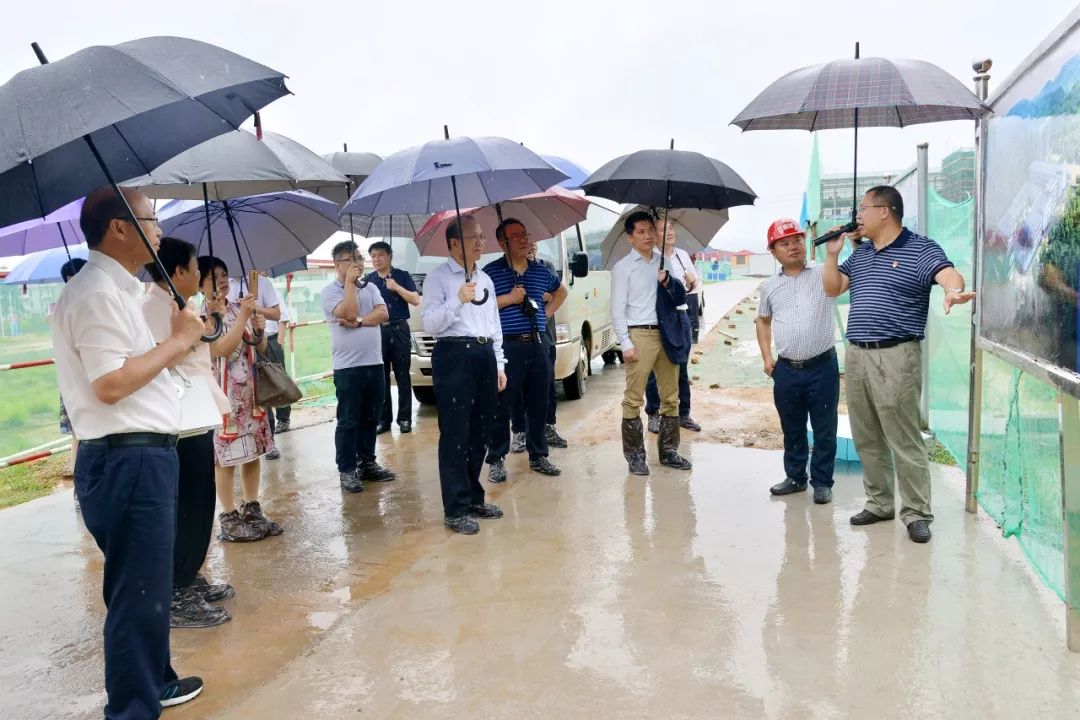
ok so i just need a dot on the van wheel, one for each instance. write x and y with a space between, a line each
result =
425 395
574 386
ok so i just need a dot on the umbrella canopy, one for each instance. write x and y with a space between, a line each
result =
694 229
44 266
544 215
403 226
671 179
886 93
55 230
484 170
292 266
356 166
140 102
576 174
239 164
258 232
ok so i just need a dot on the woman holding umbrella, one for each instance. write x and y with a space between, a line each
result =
245 434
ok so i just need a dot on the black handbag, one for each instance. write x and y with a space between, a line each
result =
273 386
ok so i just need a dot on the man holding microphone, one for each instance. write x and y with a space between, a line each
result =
890 278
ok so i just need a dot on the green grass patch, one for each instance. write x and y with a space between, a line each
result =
22 483
939 453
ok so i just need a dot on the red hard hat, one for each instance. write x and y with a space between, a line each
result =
783 228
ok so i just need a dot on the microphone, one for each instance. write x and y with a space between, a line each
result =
850 227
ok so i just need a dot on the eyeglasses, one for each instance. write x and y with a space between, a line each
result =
478 237
864 207
127 218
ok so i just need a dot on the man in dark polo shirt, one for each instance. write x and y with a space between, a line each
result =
520 286
399 292
890 278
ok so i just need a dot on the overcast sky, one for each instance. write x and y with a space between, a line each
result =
589 80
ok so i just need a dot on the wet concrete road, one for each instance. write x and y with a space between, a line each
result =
599 595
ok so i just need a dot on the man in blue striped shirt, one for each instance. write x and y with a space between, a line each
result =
520 285
890 279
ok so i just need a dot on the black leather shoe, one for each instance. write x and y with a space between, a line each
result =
654 423
406 427
823 495
465 525
688 422
865 517
543 466
380 429
486 511
375 472
350 481
919 531
788 487
497 472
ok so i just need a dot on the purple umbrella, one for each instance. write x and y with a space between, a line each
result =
57 229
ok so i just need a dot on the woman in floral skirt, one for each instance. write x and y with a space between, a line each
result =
245 435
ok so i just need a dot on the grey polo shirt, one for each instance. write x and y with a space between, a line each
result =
353 347
803 316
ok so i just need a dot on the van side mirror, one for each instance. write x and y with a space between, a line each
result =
579 265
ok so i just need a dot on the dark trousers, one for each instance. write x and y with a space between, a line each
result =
359 398
517 407
652 393
465 376
128 501
397 356
692 300
195 504
814 393
528 381
276 353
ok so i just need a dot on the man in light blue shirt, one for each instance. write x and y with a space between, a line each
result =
635 281
467 372
354 315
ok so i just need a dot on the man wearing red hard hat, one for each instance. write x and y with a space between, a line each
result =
796 314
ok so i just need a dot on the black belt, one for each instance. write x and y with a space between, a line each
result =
644 327
464 339
811 363
882 344
520 337
133 439
388 323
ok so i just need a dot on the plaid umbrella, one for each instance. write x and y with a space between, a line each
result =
860 92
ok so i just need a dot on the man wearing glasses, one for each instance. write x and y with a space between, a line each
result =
355 315
467 372
520 286
890 279
124 409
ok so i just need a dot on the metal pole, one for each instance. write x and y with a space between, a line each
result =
923 191
1070 500
975 374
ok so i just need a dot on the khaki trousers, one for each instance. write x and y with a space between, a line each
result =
651 358
883 389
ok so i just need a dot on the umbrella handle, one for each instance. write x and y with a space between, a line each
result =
219 328
256 338
482 300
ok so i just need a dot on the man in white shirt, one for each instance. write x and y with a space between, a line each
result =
635 282
125 410
467 367
682 269
268 304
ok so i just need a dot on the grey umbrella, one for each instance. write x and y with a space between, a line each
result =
694 229
107 114
239 164
860 92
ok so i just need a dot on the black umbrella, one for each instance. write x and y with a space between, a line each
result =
860 92
670 179
139 103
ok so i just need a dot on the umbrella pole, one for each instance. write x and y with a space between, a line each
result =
63 239
256 337
209 240
461 231
855 171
